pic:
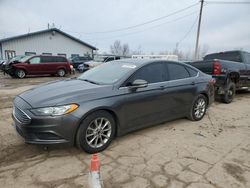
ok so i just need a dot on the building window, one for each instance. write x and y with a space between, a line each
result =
30 53
9 54
64 55
74 55
47 53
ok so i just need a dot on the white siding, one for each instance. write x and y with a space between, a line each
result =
50 42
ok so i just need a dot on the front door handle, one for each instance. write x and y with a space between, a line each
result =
193 83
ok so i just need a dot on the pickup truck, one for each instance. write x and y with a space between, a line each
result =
230 69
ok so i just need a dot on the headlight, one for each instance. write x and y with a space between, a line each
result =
55 110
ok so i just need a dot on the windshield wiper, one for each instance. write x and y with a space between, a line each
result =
90 81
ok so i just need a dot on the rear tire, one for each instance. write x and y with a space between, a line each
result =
229 93
20 73
198 109
96 132
61 72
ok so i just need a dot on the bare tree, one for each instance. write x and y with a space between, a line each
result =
179 53
125 49
119 49
116 48
138 51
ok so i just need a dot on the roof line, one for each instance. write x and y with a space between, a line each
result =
45 31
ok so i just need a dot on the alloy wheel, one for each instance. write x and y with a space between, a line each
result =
98 132
199 108
20 73
61 72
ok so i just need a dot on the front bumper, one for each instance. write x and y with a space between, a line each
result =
7 69
44 129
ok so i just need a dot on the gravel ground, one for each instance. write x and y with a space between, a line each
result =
214 152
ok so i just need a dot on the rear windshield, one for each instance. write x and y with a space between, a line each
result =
229 56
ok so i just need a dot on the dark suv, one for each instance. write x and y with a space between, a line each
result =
78 60
37 65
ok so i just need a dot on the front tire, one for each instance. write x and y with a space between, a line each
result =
199 108
61 72
96 132
20 73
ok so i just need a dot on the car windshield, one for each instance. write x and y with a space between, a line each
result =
107 73
17 58
23 59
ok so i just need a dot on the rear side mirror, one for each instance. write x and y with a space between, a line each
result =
138 84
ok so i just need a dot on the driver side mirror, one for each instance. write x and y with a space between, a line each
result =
138 84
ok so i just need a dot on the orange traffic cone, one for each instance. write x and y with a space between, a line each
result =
94 174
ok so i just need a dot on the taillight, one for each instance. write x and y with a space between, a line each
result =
216 67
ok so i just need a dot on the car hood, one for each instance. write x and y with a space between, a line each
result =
12 62
64 92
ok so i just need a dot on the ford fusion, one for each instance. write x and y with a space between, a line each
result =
111 100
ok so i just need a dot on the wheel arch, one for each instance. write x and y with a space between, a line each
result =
206 95
61 67
112 112
20 68
234 76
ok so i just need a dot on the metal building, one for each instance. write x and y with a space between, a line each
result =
49 42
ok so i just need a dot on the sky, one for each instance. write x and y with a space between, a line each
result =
223 26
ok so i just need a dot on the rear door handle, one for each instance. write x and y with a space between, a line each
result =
193 83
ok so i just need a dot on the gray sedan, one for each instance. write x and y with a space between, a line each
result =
111 100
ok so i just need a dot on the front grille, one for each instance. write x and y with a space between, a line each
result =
21 116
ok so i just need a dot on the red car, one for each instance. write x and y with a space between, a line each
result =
38 65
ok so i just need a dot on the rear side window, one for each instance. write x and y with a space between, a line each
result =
60 59
176 72
51 59
229 56
152 73
46 59
192 72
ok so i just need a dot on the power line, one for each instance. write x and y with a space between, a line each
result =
228 2
188 32
152 27
138 25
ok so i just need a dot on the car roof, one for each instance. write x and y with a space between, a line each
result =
141 62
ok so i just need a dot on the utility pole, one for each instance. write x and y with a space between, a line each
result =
198 32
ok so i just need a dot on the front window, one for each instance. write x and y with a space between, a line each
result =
34 60
152 73
108 73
